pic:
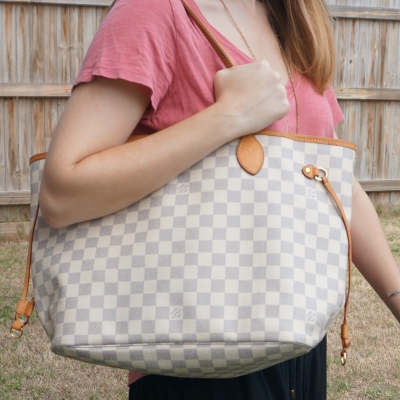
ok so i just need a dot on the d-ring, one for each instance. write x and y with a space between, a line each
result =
16 334
320 179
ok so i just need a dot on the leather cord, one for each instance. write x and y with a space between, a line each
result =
25 307
312 172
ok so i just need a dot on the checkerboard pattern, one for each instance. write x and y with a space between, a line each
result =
217 274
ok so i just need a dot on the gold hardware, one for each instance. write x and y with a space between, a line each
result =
324 171
16 334
23 319
344 358
308 170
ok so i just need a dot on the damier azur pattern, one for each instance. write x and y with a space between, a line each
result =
217 274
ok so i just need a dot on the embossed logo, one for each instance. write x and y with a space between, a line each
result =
183 188
311 317
311 193
176 313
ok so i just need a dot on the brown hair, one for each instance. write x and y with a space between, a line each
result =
304 30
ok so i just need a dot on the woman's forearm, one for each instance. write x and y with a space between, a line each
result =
371 252
91 172
114 178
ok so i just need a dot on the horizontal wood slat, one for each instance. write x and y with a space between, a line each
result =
381 185
337 11
375 185
15 197
99 3
35 90
354 12
64 90
367 94
14 229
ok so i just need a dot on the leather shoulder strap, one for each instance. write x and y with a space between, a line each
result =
249 151
223 55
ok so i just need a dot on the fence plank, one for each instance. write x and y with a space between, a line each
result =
63 45
50 121
37 41
9 44
50 45
24 140
76 40
38 134
23 16
89 27
11 144
3 163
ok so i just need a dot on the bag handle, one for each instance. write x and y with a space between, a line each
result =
250 153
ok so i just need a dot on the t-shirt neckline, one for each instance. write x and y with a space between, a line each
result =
230 48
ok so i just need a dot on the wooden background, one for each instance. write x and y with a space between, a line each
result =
43 42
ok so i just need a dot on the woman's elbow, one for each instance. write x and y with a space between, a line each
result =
51 209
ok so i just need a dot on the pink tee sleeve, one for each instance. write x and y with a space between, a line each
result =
135 42
337 113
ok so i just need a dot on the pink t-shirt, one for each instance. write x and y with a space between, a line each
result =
154 43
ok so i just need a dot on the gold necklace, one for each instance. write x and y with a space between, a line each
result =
255 59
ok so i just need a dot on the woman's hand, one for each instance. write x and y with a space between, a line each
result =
252 95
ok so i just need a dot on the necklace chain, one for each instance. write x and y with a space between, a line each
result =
255 59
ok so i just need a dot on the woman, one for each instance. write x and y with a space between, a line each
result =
149 69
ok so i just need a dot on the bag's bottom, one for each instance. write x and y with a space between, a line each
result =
191 360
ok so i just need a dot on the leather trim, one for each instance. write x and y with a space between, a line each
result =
37 157
292 136
309 139
250 154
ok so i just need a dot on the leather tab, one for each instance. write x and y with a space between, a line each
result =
25 308
345 336
250 154
310 171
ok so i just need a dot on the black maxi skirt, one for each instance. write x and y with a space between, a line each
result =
303 378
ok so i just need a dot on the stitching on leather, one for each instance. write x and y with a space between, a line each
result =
310 139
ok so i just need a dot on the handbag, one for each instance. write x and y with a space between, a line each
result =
237 264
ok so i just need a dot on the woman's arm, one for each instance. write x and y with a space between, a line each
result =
371 252
90 172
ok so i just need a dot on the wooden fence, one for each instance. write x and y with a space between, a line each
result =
43 42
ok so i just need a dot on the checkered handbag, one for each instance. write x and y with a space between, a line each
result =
228 269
